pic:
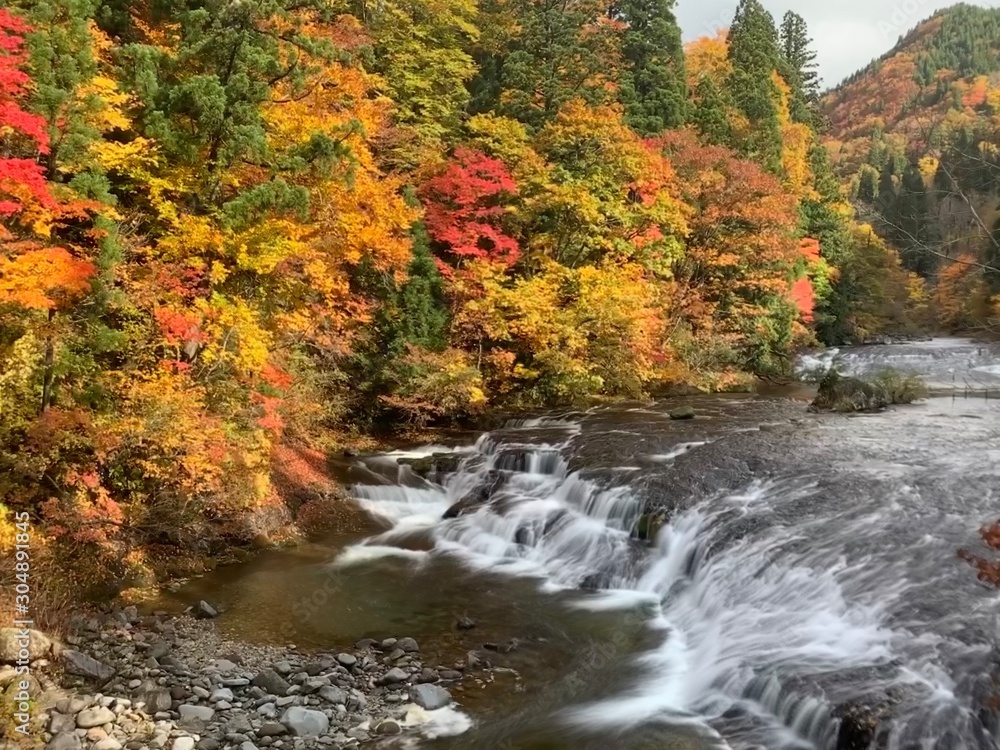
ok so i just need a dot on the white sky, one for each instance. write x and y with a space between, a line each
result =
847 34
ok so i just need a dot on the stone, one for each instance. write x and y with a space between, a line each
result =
282 667
223 706
248 745
683 412
312 684
189 711
272 682
388 726
334 695
465 623
430 697
347 660
271 729
239 723
63 741
427 675
268 710
200 692
155 698
59 723
304 722
158 649
223 666
408 645
94 717
183 743
94 734
450 674
205 611
208 743
108 743
81 665
388 643
391 677
13 642
222 694
365 643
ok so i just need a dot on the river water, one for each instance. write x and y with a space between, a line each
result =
740 580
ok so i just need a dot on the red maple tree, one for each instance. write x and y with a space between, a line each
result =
465 208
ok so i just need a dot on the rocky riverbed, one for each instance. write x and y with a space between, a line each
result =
158 681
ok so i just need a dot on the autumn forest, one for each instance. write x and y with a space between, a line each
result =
233 226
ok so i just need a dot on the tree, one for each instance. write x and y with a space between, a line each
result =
560 51
754 55
420 49
800 67
466 205
653 81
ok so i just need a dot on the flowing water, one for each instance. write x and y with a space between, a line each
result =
741 580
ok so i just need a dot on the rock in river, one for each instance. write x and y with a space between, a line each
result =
431 697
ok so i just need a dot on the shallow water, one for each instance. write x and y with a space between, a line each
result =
804 563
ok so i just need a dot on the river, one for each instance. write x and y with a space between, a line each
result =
741 580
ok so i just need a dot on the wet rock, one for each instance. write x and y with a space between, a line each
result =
430 697
683 412
388 726
408 645
304 722
82 665
272 682
205 611
436 464
94 717
465 623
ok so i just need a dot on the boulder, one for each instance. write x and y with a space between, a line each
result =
304 722
430 697
683 412
81 665
13 641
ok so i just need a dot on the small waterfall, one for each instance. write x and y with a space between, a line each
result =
755 626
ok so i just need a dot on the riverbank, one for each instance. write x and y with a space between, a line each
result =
128 680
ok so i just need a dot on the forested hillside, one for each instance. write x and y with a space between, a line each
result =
230 227
915 135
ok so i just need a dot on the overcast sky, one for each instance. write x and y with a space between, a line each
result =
847 33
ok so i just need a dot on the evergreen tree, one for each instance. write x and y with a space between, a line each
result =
709 114
422 305
754 55
653 86
800 67
556 56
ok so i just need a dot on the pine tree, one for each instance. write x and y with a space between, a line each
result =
754 55
423 309
800 67
653 87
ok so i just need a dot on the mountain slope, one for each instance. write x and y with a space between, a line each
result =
916 136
